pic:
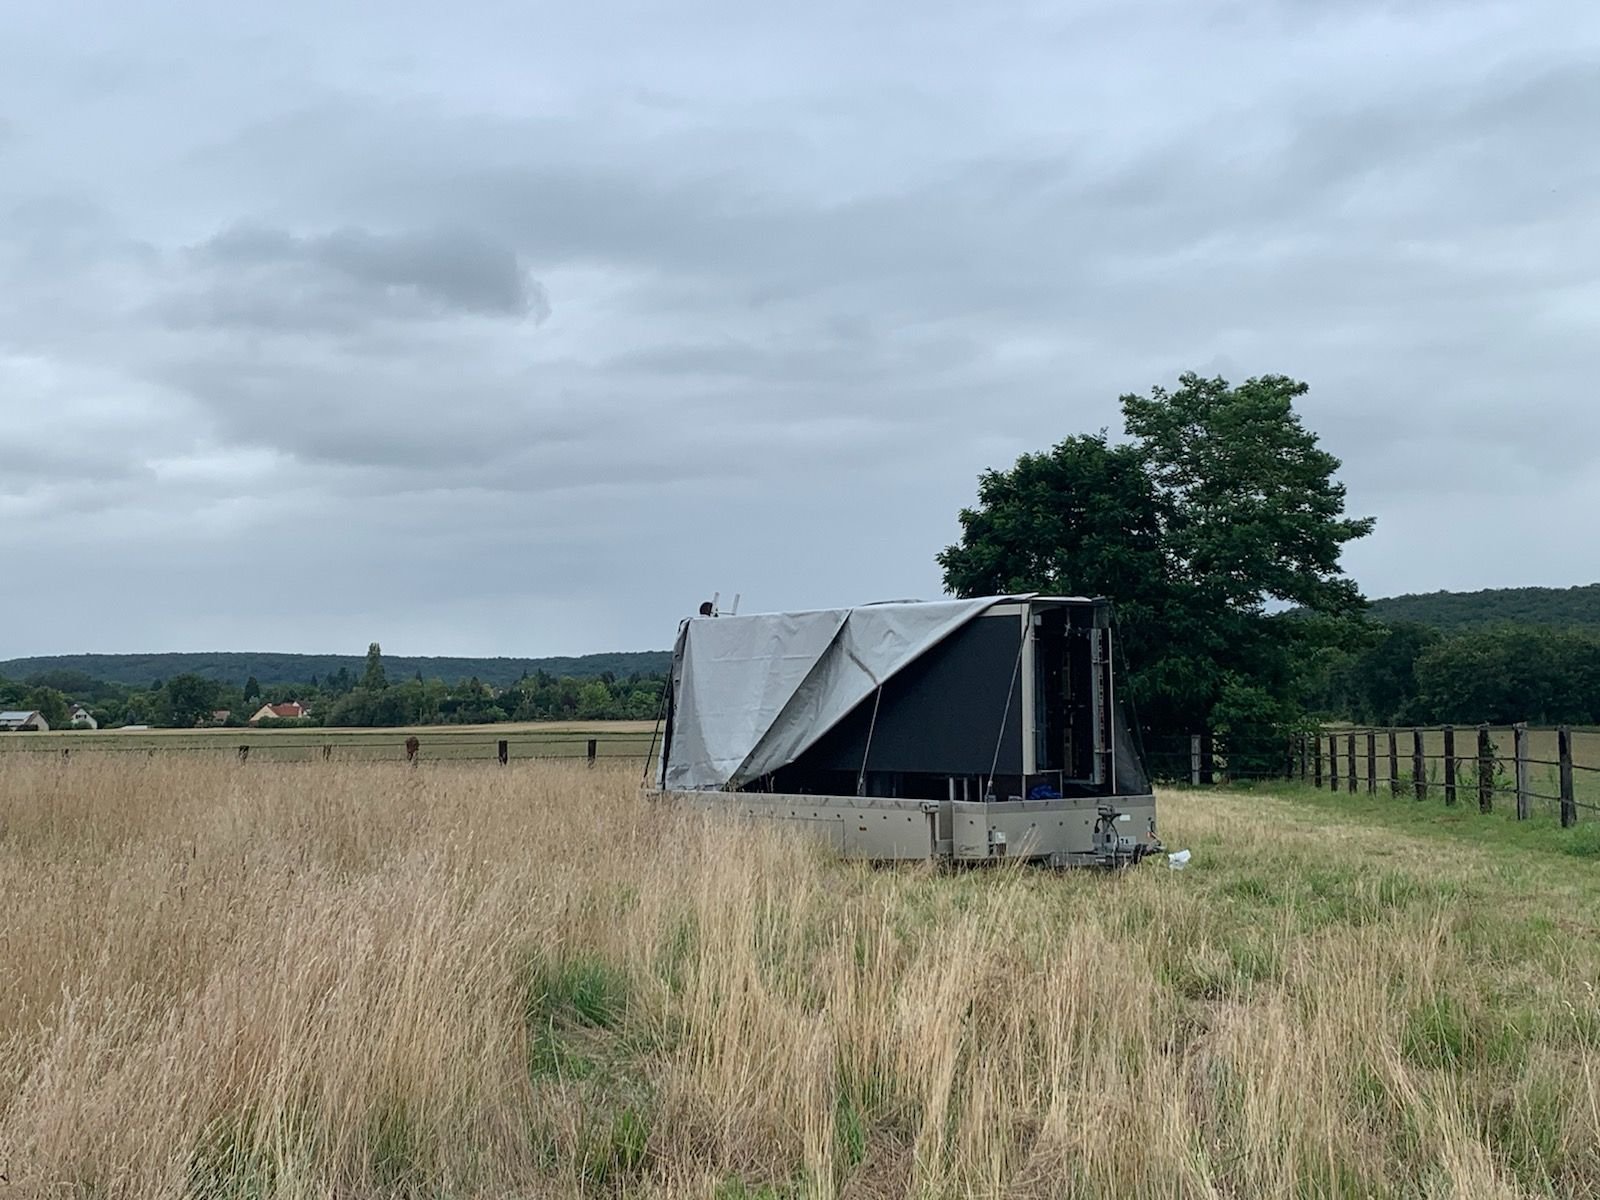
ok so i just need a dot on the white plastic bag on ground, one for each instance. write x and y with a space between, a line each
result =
1178 860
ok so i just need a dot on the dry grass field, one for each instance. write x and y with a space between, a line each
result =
359 980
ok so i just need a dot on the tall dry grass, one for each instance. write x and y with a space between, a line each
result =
229 980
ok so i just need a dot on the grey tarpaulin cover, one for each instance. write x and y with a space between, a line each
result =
756 691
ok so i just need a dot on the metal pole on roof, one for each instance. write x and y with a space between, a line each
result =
861 776
655 730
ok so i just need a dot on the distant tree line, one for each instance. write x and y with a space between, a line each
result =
1557 608
296 670
344 698
1411 674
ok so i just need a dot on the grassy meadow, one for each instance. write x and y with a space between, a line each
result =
355 979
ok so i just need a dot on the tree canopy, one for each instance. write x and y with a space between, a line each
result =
1413 675
190 700
51 705
374 678
1216 508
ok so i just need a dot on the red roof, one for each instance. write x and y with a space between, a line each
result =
288 710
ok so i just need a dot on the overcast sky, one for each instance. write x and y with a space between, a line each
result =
515 328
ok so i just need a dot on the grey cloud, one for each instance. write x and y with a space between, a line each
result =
811 277
1016 215
253 275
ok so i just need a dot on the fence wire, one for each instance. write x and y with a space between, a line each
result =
1370 759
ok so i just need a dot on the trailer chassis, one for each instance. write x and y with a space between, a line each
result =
1090 831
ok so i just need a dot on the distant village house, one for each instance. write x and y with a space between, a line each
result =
18 720
82 718
291 711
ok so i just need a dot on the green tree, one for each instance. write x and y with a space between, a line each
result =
1514 673
373 678
142 708
1218 508
594 700
51 705
357 707
1082 519
1378 685
189 699
252 690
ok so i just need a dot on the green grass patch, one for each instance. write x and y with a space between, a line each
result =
1432 818
1447 1034
579 1016
591 991
564 1000
1229 966
614 1147
849 1129
1438 1035
676 952
227 1164
395 1161
1525 1129
1582 841
1253 888
738 1189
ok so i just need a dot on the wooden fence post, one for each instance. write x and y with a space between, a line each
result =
1333 762
503 751
327 751
1316 761
1394 761
594 746
1419 765
1485 771
1302 758
1519 741
244 753
1569 806
1208 758
412 746
1350 759
1194 760
1372 762
1449 764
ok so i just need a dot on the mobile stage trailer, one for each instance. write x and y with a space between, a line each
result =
959 730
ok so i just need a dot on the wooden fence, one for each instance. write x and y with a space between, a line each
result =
413 748
1426 762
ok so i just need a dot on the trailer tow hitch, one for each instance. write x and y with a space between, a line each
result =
1112 846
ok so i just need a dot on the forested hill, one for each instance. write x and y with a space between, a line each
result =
270 670
1569 608
1566 608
